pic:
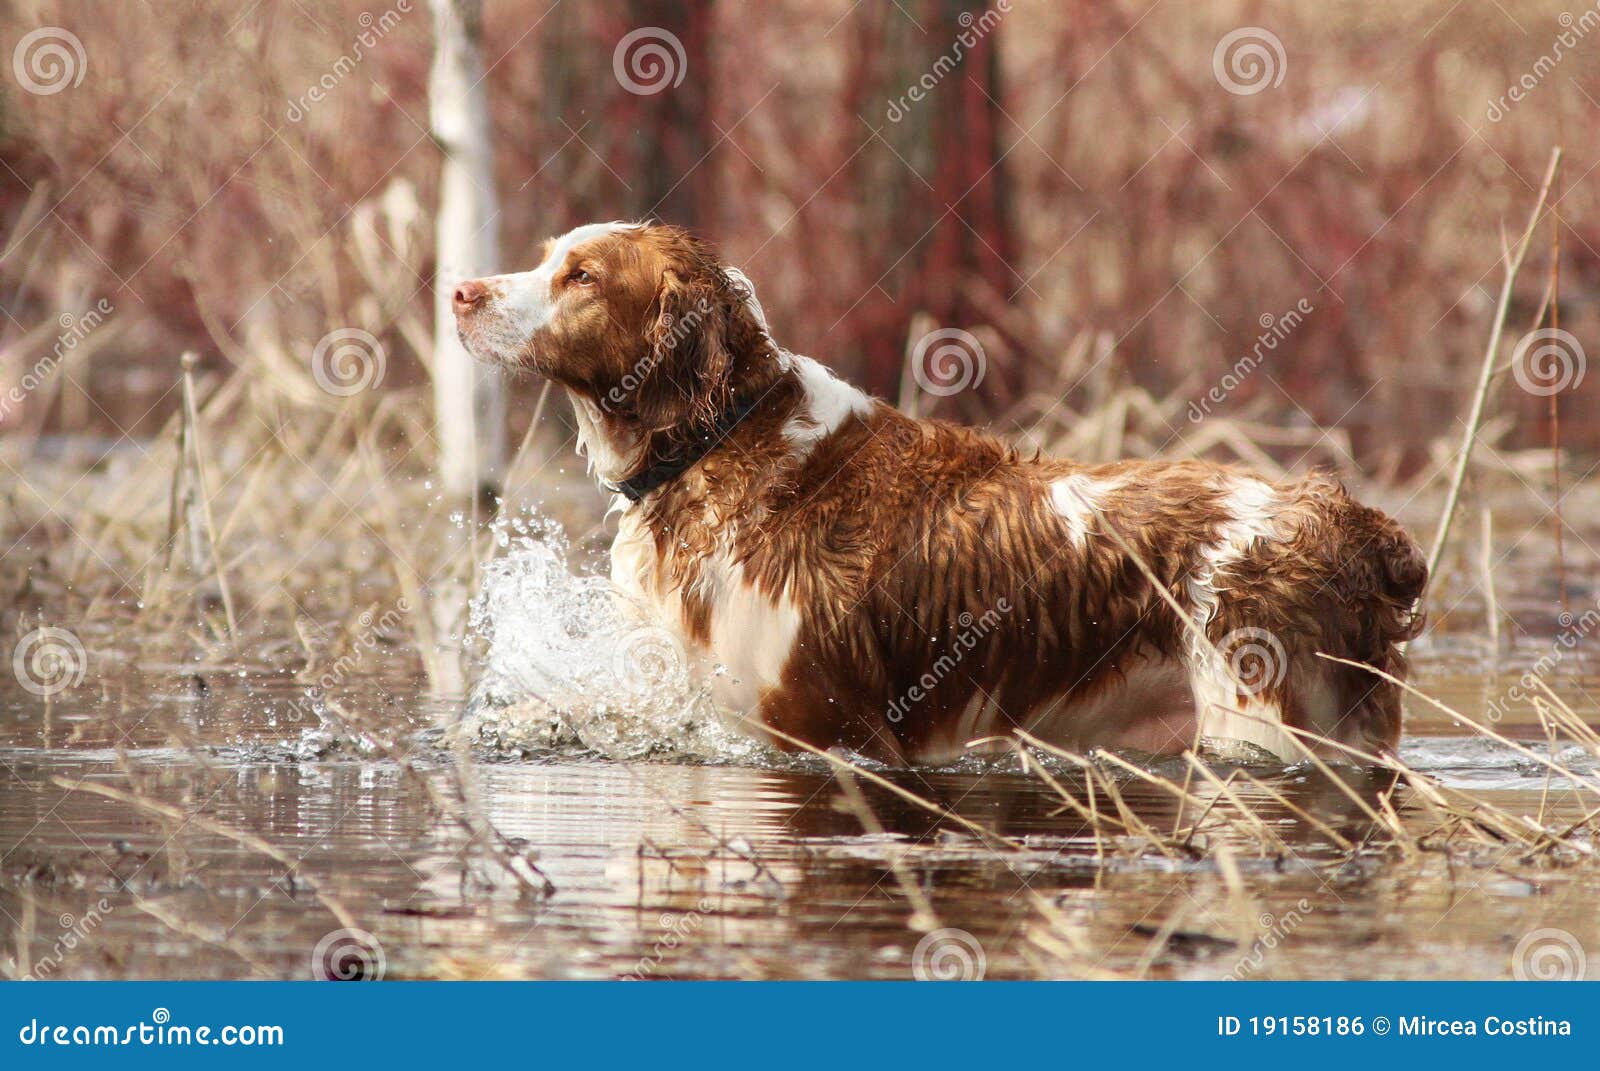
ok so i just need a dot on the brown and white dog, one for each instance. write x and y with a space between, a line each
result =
902 587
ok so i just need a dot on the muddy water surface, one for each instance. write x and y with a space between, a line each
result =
177 819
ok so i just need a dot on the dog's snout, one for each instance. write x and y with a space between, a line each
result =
469 295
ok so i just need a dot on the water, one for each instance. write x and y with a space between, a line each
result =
564 663
170 819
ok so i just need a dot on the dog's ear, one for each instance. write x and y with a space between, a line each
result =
690 368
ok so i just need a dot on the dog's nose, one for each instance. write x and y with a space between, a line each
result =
469 295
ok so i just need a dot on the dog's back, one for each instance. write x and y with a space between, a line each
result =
948 589
903 587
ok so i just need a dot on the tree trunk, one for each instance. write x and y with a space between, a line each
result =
468 399
934 189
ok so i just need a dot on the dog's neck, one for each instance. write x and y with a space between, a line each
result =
612 450
633 463
690 449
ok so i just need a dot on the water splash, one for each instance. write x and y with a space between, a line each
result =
568 664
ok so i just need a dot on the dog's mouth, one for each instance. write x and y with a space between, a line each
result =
472 341
518 356
493 343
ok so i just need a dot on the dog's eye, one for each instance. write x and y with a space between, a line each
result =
581 277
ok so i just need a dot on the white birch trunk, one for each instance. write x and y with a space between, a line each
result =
468 398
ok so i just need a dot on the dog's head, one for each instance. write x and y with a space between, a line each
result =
640 320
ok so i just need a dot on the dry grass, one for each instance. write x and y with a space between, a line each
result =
217 225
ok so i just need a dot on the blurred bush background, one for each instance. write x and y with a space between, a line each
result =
1082 175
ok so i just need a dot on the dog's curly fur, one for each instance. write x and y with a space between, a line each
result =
902 586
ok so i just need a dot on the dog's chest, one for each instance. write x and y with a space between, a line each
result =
710 603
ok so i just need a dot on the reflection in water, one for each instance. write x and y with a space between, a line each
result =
681 869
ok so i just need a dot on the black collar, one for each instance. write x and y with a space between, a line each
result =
664 471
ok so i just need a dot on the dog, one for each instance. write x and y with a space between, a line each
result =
903 587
